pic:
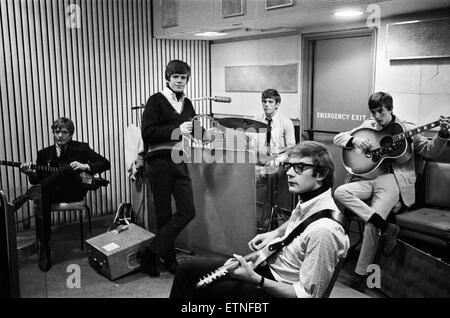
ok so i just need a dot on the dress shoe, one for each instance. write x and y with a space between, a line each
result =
20 200
45 261
150 271
32 193
390 238
171 266
149 263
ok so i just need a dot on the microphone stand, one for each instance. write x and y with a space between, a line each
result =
210 104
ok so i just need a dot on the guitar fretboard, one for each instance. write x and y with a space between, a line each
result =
415 131
33 166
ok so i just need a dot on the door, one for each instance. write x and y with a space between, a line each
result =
340 81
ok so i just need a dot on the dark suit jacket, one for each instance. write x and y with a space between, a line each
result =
75 151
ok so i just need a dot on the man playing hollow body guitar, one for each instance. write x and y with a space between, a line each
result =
63 186
396 183
302 268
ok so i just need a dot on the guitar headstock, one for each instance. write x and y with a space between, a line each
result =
208 279
444 122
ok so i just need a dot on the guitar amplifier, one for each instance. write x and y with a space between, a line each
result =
115 253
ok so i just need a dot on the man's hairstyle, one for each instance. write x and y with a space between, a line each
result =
320 156
177 67
380 99
271 93
63 122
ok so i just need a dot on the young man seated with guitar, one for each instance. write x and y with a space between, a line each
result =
382 183
69 159
300 256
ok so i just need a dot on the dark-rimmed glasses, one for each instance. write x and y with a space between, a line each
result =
299 167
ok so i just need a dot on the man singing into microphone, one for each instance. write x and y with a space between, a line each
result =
165 113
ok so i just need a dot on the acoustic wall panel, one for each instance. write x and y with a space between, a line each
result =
257 78
90 60
418 39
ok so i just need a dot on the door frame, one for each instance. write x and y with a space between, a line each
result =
308 42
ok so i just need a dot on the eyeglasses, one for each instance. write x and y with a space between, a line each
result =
299 167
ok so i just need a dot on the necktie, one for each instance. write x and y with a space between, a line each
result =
63 150
269 132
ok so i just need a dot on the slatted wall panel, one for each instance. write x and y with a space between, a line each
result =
93 74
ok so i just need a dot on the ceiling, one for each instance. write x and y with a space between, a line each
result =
302 21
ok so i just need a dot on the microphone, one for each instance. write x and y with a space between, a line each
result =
138 107
219 99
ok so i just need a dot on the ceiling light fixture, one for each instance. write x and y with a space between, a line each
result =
348 13
211 33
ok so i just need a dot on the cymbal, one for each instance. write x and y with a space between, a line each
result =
245 123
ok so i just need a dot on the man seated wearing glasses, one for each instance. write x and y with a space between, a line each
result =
302 268
65 185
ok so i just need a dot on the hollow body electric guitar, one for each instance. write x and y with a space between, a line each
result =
183 147
389 145
89 181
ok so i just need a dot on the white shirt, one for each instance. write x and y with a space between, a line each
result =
308 262
172 98
58 150
282 134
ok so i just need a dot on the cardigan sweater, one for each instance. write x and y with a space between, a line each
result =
160 119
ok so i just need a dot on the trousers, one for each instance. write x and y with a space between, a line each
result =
364 198
169 179
63 186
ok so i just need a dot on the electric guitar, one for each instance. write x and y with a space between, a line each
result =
256 257
90 181
183 148
389 145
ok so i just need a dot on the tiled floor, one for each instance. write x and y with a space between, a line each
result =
67 256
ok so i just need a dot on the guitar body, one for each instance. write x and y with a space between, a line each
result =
370 165
180 151
91 182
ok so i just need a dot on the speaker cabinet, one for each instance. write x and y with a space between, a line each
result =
115 253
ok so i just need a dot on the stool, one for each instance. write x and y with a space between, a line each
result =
76 206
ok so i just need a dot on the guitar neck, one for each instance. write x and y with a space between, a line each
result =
415 131
235 263
33 166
